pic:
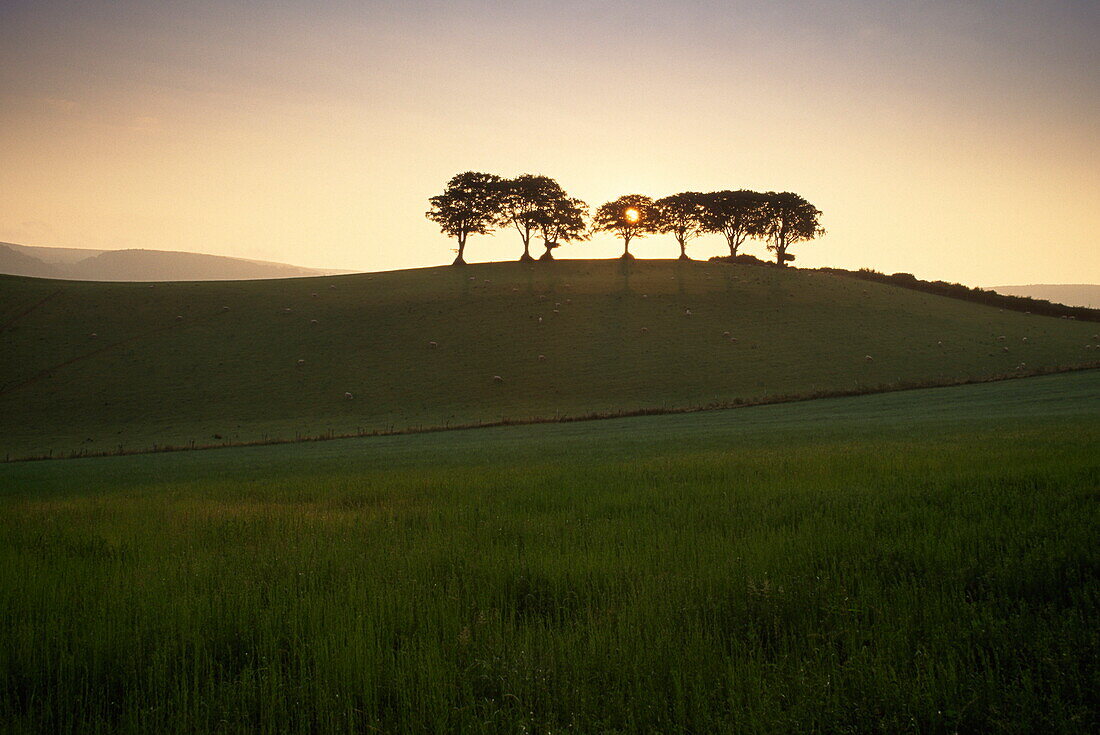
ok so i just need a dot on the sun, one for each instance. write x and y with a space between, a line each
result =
632 215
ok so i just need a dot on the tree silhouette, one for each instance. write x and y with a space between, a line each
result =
738 215
788 219
469 205
562 220
629 216
680 215
521 201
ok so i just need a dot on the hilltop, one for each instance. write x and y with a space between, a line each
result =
95 366
139 265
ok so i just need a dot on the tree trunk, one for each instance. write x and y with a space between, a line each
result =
548 255
683 250
461 250
526 257
626 250
781 256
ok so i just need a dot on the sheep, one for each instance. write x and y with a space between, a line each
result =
498 379
348 396
286 310
542 358
1001 338
1096 337
179 317
868 358
939 343
312 321
313 295
725 334
540 320
733 340
556 311
557 303
1004 349
225 308
332 286
93 335
301 362
1023 339
687 312
472 278
569 301
433 344
645 330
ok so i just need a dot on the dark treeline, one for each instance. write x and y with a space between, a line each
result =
477 203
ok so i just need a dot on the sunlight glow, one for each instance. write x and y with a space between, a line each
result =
632 215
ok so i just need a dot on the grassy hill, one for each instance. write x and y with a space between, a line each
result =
96 366
917 562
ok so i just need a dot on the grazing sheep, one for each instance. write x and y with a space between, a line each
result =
1004 349
939 344
286 310
542 297
433 344
687 312
225 308
301 362
569 301
542 357
312 321
540 320
645 330
93 335
557 303
733 340
487 281
868 358
1001 338
645 296
1096 337
1023 339
725 334
179 317
515 289
556 311
498 379
313 295
348 396
472 278
332 286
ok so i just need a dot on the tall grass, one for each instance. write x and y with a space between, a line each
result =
926 580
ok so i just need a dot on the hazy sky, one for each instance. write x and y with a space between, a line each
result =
956 140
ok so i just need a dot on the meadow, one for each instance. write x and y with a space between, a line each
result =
95 367
922 561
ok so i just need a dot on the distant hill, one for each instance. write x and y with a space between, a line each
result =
140 265
1073 294
97 365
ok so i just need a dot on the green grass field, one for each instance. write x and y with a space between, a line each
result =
922 562
169 365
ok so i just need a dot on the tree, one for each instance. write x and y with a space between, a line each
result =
735 214
680 215
469 205
629 216
788 219
562 220
521 201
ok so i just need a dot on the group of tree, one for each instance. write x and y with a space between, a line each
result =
537 206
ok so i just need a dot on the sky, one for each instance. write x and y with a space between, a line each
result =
955 140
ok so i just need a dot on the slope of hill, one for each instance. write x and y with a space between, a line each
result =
16 263
140 265
1078 294
97 366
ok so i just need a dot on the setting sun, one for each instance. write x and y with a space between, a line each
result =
632 215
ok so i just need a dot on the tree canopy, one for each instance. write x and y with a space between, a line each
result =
629 216
788 219
562 220
469 205
737 215
521 202
682 216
